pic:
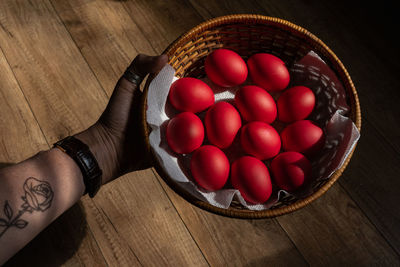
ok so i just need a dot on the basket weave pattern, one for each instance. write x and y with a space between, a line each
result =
247 35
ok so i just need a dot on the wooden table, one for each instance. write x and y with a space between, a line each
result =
59 62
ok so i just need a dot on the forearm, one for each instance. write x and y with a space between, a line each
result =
33 193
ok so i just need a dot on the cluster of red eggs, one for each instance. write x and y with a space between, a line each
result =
259 140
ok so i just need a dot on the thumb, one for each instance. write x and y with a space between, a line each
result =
144 64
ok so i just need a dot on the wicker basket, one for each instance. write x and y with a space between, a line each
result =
247 35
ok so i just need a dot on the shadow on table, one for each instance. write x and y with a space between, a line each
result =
5 164
57 243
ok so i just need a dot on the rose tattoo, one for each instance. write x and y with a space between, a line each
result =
38 197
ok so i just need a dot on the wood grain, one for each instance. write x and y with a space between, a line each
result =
25 137
227 241
162 22
105 35
373 182
143 216
67 241
329 231
113 247
49 68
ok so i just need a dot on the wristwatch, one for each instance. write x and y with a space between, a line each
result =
87 163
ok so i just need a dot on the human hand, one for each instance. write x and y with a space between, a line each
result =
115 139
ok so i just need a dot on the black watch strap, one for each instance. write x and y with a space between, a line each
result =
81 154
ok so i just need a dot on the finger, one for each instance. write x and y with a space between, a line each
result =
125 96
144 64
139 68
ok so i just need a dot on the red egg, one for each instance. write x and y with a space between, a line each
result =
268 72
222 123
295 104
260 140
185 133
255 104
251 177
290 170
303 136
225 68
210 167
190 94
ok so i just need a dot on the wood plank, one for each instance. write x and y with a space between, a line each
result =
67 241
113 247
373 182
24 138
212 9
333 231
149 224
237 242
105 35
19 142
217 252
56 64
44 60
161 22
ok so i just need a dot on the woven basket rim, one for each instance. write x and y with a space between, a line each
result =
253 18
